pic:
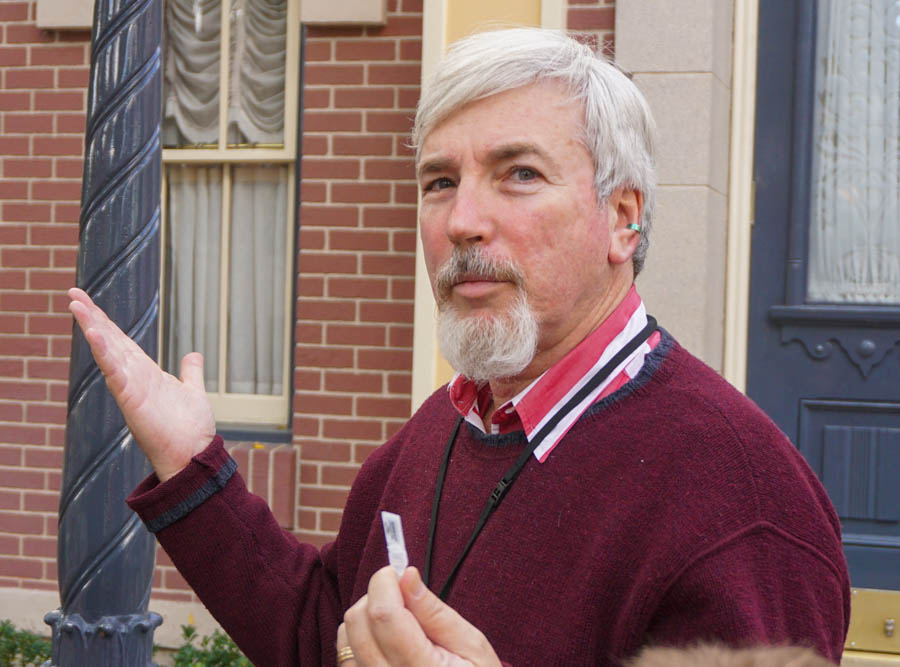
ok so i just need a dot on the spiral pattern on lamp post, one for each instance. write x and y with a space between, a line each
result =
105 555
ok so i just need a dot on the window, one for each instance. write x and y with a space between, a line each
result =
229 134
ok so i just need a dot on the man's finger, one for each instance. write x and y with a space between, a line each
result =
192 370
442 624
359 635
343 648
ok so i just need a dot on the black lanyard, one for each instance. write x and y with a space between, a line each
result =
510 476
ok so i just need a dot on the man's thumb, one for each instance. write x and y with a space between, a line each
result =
192 370
442 624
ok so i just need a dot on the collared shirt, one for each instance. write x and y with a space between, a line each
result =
531 408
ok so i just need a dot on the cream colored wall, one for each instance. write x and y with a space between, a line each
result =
680 54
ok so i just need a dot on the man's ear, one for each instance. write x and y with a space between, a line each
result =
625 206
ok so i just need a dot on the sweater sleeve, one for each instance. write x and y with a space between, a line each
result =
276 597
761 586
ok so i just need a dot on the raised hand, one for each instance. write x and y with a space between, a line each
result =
170 418
401 622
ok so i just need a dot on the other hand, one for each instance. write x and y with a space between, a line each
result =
171 418
401 622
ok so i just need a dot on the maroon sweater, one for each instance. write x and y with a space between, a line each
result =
673 511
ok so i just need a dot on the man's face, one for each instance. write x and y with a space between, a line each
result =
508 176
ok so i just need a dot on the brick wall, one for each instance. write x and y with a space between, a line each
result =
353 333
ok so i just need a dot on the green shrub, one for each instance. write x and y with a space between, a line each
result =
216 650
19 647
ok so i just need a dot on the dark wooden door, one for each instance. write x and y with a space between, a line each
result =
827 368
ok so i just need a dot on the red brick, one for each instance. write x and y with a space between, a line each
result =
388 121
305 426
22 435
46 100
56 190
48 369
50 280
403 242
364 98
29 78
314 145
310 403
312 450
365 50
309 474
10 412
40 547
326 262
10 279
319 357
357 240
387 359
58 146
22 391
14 11
316 98
394 74
398 26
11 368
13 189
284 465
13 235
13 56
21 567
27 168
326 310
408 98
390 217
352 429
406 193
315 497
412 6
308 333
10 456
23 524
357 288
591 19
9 500
71 123
311 286
59 392
411 49
400 336
331 32
82 36
313 192
56 436
172 579
330 521
332 121
44 457
42 502
65 212
26 34
25 347
259 479
392 264
307 520
390 169
382 407
14 146
353 382
320 74
329 216
60 325
46 414
307 380
329 168
24 301
355 334
64 257
339 475
78 77
400 383
9 323
386 312
54 234
361 145
26 212
14 101
360 193
317 50
58 55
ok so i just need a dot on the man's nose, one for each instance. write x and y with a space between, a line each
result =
471 218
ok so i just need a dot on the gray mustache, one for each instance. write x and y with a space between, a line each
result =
474 260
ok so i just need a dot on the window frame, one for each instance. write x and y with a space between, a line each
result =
234 408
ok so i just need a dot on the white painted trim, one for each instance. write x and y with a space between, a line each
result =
65 14
740 192
26 608
553 14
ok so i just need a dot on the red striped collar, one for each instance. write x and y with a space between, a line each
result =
544 397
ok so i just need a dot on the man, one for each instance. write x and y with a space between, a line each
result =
643 500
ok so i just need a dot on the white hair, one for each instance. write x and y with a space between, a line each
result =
618 128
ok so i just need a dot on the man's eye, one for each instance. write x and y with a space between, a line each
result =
439 184
524 174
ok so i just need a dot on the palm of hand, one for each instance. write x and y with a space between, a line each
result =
170 418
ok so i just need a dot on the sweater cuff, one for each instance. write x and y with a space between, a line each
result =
159 505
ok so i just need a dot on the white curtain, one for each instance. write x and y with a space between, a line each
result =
854 240
257 68
194 212
258 197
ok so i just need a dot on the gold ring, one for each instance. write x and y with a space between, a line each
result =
344 654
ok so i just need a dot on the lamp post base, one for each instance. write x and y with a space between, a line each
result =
112 640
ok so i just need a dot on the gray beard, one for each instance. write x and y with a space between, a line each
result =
489 348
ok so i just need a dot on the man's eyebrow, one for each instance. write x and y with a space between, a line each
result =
498 154
433 166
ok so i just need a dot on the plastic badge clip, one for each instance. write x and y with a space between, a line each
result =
396 546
